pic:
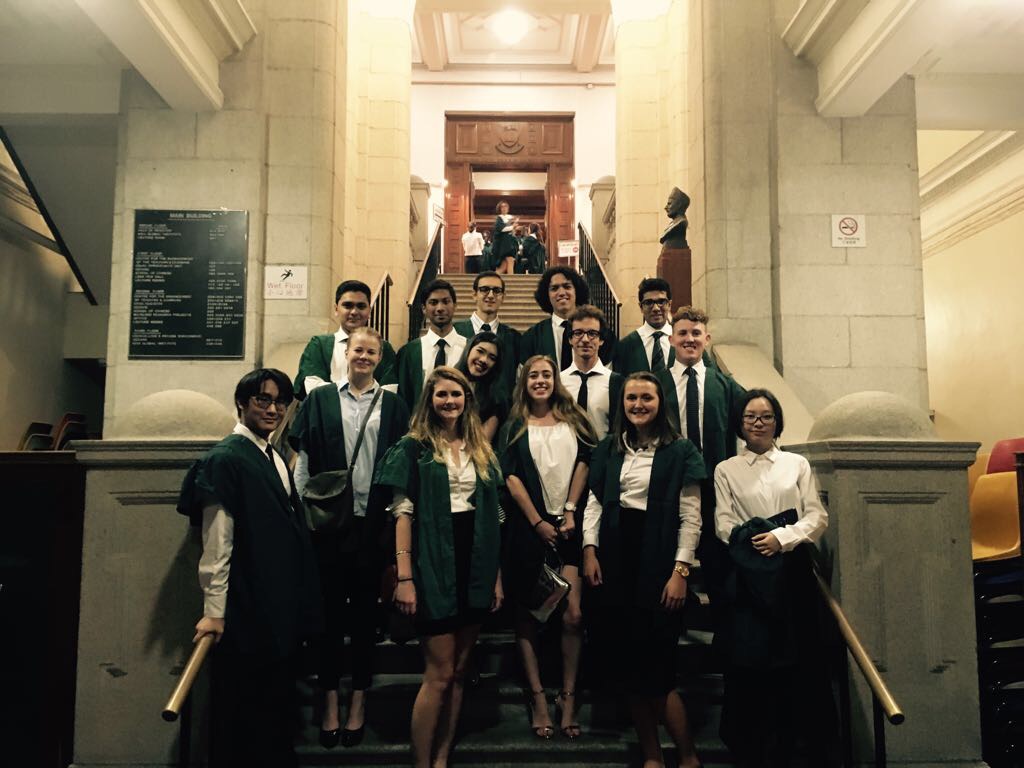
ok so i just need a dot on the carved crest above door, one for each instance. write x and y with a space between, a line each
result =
508 140
531 140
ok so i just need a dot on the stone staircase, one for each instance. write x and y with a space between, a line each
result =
519 310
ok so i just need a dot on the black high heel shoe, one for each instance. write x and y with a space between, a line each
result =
353 738
573 730
540 731
329 739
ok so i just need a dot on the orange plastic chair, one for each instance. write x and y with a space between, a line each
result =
995 520
976 470
1002 458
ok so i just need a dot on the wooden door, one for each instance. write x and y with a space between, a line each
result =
561 209
457 212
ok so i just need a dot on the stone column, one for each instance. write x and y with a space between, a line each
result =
601 192
899 544
372 143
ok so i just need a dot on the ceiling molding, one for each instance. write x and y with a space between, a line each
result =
884 41
968 156
970 101
551 7
808 24
162 42
590 40
981 193
232 22
523 76
430 40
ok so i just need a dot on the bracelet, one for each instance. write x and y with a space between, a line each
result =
407 578
403 552
538 523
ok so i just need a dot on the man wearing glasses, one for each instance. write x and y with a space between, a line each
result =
488 295
649 347
587 379
259 582
323 360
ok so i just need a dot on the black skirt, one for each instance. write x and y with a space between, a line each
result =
465 616
636 647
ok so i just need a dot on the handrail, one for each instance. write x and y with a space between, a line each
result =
380 306
188 676
428 271
602 292
867 667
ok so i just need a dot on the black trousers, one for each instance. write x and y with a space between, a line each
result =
254 710
472 265
350 585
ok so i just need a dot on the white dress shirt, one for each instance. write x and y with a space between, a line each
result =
598 404
472 243
478 324
647 332
461 486
556 332
550 447
353 410
455 343
762 485
680 378
339 365
219 536
634 482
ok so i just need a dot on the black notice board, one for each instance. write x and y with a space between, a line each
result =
188 285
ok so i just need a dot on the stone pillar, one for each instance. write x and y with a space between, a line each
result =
601 192
140 596
420 217
899 543
372 143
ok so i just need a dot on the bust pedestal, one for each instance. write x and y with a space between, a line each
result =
675 267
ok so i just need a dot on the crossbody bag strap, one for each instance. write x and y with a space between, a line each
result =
362 427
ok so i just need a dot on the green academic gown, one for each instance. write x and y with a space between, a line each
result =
318 430
273 588
535 257
316 361
539 340
631 357
410 467
409 366
675 465
508 340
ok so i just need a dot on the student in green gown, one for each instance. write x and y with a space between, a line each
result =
640 530
546 451
445 479
489 295
440 345
350 559
649 347
323 359
505 244
258 575
481 364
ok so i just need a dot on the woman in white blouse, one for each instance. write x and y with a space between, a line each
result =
444 477
640 530
767 506
546 449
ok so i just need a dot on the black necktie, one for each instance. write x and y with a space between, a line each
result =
566 355
692 408
270 455
485 328
581 397
657 356
439 358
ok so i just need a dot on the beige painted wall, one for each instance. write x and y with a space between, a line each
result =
973 315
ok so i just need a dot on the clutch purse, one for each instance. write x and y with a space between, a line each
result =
548 592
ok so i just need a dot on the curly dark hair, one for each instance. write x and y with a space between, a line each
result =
578 283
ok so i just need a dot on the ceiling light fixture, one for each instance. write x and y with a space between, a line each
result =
509 26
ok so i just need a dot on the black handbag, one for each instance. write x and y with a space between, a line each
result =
327 496
549 590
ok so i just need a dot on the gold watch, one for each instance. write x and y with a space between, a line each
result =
683 570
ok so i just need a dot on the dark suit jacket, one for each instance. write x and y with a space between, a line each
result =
316 361
539 340
509 339
631 357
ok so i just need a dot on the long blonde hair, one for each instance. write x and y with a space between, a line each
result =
426 424
563 406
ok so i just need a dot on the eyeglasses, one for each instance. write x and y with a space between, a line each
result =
263 402
753 418
579 333
649 303
497 290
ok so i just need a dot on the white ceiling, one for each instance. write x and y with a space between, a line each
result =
53 33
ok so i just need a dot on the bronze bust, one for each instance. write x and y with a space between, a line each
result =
674 235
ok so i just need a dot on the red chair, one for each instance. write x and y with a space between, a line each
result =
1002 459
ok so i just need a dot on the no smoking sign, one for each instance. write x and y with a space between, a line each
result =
848 230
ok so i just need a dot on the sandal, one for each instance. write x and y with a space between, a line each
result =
573 730
540 731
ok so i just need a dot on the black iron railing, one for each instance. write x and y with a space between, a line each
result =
602 295
380 306
428 271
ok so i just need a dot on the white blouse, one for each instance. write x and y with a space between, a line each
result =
552 448
762 485
461 486
634 481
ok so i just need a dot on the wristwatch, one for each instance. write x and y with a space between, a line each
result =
683 570
569 506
